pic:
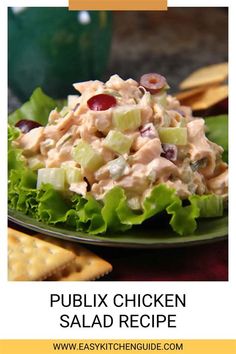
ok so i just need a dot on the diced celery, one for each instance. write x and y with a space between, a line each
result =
182 122
126 118
68 164
73 175
118 142
176 136
161 98
86 156
35 164
54 176
116 167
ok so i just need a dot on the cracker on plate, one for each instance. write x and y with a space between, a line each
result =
30 258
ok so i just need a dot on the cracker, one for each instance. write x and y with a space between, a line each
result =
183 95
208 98
212 74
30 258
86 266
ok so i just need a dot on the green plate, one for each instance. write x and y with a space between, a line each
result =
148 235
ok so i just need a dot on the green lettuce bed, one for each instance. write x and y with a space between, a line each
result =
113 214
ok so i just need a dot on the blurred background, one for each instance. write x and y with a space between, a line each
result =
52 47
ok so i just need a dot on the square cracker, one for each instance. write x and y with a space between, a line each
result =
183 95
86 266
30 258
207 98
212 74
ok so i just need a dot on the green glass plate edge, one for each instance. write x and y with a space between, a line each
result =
149 235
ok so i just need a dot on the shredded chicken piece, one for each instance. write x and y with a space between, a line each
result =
30 142
79 188
200 148
219 183
148 152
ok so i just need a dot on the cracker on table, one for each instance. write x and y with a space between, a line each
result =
86 266
208 75
207 98
30 258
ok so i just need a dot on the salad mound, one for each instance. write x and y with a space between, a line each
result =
117 154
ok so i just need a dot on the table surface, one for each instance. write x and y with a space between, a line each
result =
205 262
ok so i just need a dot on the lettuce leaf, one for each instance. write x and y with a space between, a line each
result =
113 199
13 133
210 206
183 219
113 214
15 158
160 197
22 191
37 108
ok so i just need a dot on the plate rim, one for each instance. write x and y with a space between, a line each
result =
80 238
